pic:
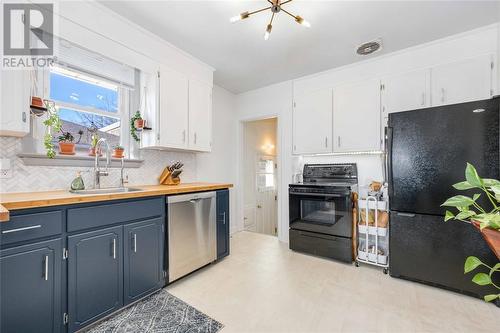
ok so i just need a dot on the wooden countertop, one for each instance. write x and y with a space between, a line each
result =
22 200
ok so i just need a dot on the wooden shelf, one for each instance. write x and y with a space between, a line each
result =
492 238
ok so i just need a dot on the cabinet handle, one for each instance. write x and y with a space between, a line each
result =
194 137
184 136
338 139
326 142
114 248
21 229
46 268
135 243
24 117
223 217
442 94
423 99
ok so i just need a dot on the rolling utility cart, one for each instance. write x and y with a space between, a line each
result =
373 233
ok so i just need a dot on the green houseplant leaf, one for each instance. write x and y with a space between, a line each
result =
463 186
448 216
472 177
458 201
481 279
471 263
492 297
464 215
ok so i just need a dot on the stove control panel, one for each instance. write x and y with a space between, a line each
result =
313 172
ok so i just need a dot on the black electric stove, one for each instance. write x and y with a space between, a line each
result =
321 209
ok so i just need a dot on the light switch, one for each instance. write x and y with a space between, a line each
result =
5 169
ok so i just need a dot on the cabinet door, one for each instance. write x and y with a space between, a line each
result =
222 223
173 115
409 91
30 279
312 122
462 81
15 88
356 117
200 116
95 276
143 254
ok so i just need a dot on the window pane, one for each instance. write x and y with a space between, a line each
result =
75 121
80 92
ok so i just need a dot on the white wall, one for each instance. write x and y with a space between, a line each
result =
219 165
277 100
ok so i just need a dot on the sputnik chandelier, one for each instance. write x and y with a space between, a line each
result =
275 7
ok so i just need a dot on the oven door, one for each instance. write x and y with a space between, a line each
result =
326 213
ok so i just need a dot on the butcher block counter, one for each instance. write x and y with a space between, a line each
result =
23 200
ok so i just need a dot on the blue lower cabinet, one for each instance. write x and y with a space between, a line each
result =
31 287
95 275
143 254
222 223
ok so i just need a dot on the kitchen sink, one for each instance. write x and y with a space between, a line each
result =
107 190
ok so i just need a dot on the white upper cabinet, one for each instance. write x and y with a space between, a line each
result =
200 116
312 123
462 81
173 111
183 119
356 117
15 103
404 92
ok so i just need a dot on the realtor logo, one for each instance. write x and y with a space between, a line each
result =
28 29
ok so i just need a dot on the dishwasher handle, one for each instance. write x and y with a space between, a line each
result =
193 197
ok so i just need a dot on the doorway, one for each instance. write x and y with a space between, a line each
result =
260 200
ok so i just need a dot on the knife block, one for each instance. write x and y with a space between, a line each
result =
166 178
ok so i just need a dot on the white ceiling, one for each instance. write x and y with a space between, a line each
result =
244 61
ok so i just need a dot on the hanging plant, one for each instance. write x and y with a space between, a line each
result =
136 124
53 125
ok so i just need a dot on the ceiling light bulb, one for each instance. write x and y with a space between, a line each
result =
303 22
268 32
237 18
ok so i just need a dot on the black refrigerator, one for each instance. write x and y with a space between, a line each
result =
427 151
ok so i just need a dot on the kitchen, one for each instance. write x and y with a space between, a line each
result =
332 111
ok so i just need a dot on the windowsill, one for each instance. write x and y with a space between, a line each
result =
75 161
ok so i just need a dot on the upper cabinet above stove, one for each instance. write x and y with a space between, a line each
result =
350 117
15 102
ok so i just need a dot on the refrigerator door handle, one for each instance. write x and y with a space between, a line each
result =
405 214
388 160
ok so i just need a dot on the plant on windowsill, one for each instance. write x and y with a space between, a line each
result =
53 125
66 144
468 210
118 151
93 144
136 125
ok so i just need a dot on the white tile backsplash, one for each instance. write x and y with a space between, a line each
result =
41 178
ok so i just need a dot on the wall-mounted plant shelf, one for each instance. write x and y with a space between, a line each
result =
75 161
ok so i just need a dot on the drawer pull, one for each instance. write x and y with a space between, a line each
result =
21 229
46 269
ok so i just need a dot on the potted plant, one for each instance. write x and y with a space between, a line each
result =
486 220
53 125
118 151
136 125
93 144
66 144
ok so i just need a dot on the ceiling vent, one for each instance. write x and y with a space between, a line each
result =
369 47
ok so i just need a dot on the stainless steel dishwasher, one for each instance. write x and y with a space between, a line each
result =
191 233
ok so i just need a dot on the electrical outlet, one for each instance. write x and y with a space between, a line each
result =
5 170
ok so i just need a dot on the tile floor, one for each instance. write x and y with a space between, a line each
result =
265 287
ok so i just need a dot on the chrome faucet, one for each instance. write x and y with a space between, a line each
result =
123 180
97 169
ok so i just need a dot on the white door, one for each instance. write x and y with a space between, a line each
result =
200 116
173 113
266 213
462 81
356 117
15 102
404 92
312 122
